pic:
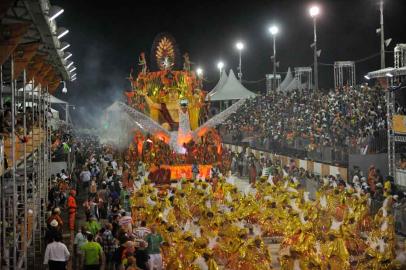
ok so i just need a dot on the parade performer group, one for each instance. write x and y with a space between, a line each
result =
216 225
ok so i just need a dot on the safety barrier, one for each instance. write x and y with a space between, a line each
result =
400 219
317 168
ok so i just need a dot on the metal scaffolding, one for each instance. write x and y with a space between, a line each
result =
271 82
26 80
391 79
344 74
24 183
400 55
304 76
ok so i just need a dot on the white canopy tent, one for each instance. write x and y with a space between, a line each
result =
219 85
232 90
55 100
294 85
286 82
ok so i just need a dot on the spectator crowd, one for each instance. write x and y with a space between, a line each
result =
351 118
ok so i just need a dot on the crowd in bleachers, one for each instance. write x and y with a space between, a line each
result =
346 118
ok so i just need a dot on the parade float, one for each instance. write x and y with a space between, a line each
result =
166 116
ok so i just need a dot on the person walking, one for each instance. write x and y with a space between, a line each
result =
93 225
141 254
80 240
154 240
85 176
93 256
109 245
56 254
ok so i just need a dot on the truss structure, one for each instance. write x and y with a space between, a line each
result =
400 55
344 74
304 77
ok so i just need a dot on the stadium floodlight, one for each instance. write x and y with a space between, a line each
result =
54 12
69 65
273 30
62 32
73 69
68 55
314 11
64 46
239 45
390 75
367 77
199 71
220 65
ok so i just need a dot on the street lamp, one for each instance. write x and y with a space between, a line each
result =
240 46
199 72
220 66
382 35
314 11
274 30
64 89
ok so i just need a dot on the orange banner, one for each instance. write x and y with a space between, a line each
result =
399 124
178 171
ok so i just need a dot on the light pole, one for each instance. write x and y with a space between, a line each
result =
220 66
67 114
240 47
274 31
382 36
314 12
199 73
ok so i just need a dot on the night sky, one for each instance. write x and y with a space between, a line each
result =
107 37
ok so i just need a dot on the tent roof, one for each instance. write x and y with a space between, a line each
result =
294 85
286 82
57 100
232 90
114 107
219 85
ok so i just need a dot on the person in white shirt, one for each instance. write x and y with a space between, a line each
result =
85 176
56 254
125 222
114 164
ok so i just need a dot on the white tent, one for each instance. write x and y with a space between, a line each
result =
57 100
219 85
55 114
295 85
232 90
288 79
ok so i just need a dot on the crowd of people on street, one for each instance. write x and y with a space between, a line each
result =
135 225
107 236
352 118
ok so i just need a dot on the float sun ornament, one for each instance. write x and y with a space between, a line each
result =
165 54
